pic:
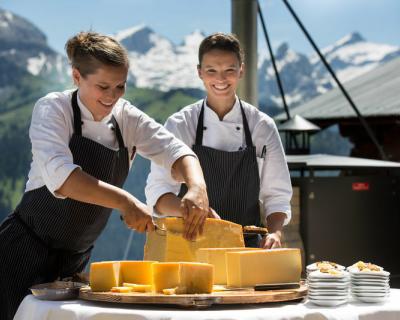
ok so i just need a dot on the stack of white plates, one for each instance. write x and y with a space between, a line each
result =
328 288
369 286
323 265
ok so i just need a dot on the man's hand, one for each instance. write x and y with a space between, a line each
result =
271 241
194 207
213 214
137 216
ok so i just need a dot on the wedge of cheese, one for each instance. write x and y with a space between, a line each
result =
104 275
216 257
121 289
139 287
248 268
137 272
182 277
173 247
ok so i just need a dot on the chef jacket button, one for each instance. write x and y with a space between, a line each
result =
237 128
204 128
98 138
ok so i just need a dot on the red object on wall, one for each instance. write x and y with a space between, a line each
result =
360 186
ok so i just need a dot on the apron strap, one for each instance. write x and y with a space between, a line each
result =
200 127
77 114
115 128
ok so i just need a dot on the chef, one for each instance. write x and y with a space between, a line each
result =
238 146
83 144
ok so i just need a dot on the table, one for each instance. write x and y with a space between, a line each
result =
32 308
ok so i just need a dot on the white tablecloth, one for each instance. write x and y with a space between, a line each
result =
32 308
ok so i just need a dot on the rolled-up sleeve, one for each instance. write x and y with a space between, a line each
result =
160 181
156 143
50 137
276 188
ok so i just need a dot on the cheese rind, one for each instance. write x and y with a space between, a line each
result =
248 268
183 277
104 275
216 257
138 272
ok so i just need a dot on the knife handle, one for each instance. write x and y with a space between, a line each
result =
277 286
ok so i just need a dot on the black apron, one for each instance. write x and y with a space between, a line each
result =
46 238
232 179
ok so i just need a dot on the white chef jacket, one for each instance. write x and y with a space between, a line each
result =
228 135
52 127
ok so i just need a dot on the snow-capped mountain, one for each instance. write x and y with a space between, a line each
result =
156 62
23 48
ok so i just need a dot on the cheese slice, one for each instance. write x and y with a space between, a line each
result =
139 287
173 247
138 272
104 275
182 277
248 268
216 257
121 289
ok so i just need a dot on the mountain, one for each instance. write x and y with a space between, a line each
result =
24 49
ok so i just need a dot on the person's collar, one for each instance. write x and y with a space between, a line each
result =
234 115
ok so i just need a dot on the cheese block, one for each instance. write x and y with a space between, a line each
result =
173 247
216 257
138 272
104 275
165 275
182 277
248 268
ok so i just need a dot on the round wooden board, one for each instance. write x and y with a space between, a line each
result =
243 296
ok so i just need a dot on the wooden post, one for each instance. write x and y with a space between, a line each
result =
244 25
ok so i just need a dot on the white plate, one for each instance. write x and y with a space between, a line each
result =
330 292
358 291
327 303
357 273
332 285
369 284
369 280
313 267
322 275
318 297
370 294
372 299
370 288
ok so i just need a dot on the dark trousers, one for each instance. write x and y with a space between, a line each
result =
26 261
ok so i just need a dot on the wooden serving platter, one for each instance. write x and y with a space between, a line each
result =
242 296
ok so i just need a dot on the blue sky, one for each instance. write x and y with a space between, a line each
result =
327 20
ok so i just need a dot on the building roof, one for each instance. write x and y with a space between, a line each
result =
298 123
376 94
326 161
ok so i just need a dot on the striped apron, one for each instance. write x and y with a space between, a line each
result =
233 182
46 238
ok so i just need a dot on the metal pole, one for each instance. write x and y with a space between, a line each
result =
271 54
344 91
244 25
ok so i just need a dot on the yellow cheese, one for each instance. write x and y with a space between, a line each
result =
138 272
165 275
182 277
173 247
121 289
216 257
104 275
248 268
139 287
196 277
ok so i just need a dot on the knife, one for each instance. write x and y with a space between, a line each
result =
277 286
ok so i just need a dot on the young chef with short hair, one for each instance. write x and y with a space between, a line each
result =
83 144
